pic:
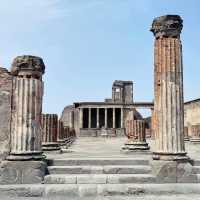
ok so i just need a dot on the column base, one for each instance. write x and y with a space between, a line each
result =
195 140
132 146
62 142
186 139
51 146
170 156
25 156
18 172
179 171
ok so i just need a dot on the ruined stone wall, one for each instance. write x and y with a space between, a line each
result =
191 114
67 116
5 111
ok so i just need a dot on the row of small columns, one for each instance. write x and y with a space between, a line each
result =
54 134
106 117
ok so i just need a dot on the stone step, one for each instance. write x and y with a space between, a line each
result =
107 191
108 169
99 178
196 162
96 161
196 169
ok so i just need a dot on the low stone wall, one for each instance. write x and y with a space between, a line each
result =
5 111
102 132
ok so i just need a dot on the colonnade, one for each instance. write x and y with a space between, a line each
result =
104 115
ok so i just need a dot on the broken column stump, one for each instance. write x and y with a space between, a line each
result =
50 132
135 131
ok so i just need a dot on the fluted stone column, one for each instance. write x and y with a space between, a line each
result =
195 130
61 135
97 117
152 124
122 117
106 118
89 118
113 117
135 131
81 117
26 108
168 104
25 164
50 132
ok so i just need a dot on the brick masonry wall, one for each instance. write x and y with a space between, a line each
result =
5 111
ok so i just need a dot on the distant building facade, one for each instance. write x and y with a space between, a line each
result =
104 118
191 114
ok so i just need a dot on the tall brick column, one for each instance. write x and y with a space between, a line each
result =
26 108
168 88
50 132
135 131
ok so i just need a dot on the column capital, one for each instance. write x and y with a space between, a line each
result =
27 65
167 26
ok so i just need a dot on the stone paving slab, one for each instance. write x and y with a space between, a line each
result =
109 169
112 191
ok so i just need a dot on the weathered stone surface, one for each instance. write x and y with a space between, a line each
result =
26 108
135 131
50 132
168 87
167 26
195 133
28 65
18 172
191 114
173 172
5 111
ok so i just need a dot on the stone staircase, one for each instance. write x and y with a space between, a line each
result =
196 169
99 171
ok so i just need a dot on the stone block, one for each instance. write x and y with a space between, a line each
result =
91 179
87 190
60 179
18 172
58 191
173 172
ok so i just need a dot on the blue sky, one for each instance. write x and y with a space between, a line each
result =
87 44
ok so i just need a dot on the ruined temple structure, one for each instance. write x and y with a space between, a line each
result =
104 118
96 165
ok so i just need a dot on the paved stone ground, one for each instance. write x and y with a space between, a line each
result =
90 147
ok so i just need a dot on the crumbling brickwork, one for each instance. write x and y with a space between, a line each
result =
5 111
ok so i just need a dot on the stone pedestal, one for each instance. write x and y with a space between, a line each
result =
18 172
195 130
50 132
135 130
173 171
168 86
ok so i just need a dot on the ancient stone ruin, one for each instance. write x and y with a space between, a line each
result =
101 148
